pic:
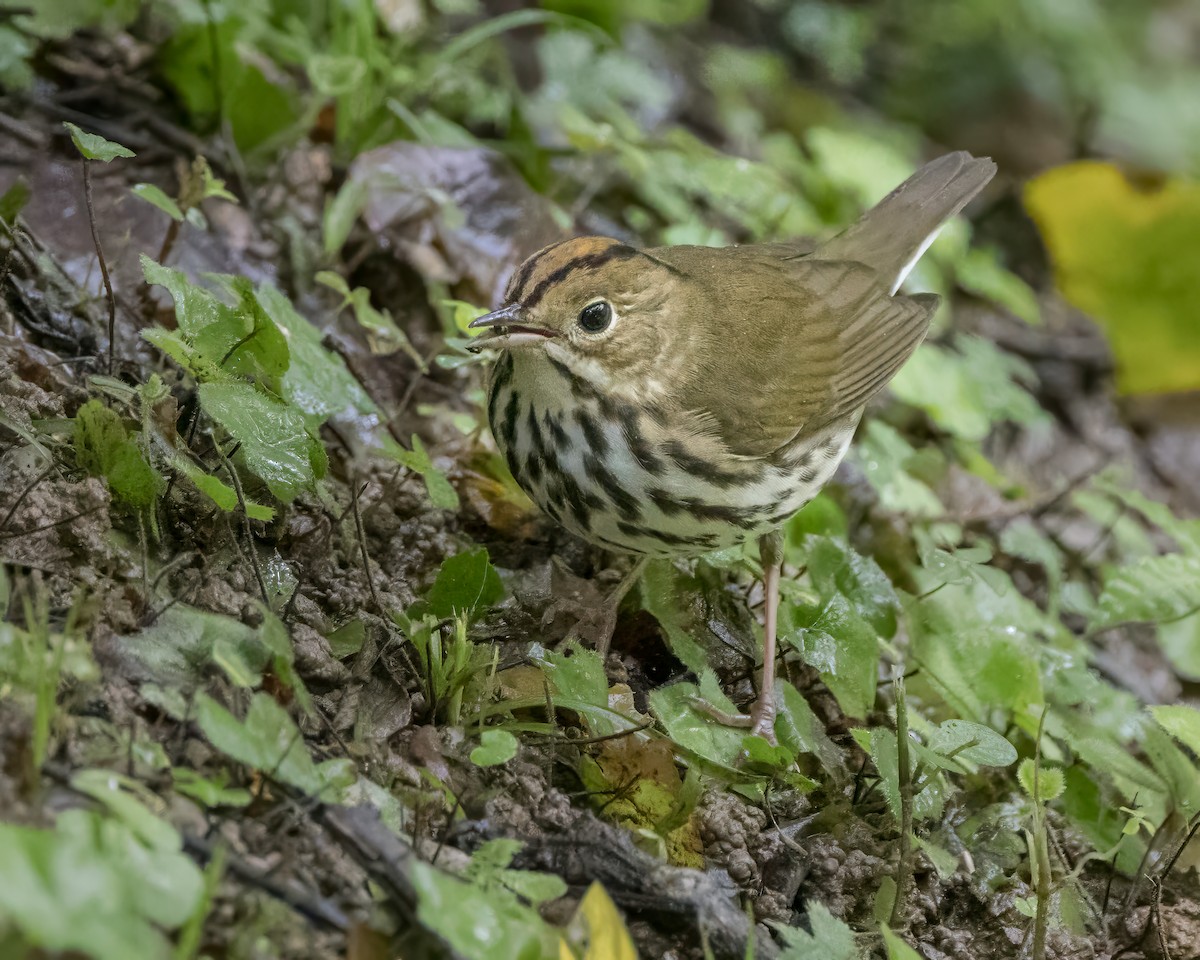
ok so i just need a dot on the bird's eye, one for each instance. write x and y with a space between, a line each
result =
595 317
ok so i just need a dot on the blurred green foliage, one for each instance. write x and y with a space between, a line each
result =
701 141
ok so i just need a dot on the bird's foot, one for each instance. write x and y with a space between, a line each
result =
760 721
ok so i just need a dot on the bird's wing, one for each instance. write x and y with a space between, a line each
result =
794 343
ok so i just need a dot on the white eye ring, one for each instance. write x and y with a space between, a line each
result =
597 318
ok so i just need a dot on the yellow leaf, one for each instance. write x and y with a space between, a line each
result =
607 938
1127 256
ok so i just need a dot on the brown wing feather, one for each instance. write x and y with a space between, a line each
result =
799 343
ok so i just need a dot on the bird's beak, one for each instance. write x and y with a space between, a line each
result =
506 330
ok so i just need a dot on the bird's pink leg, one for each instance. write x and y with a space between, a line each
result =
762 714
761 719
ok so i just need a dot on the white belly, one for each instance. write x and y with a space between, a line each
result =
622 478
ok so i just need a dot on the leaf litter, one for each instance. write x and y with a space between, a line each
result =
528 772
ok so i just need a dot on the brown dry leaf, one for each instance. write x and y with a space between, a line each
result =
455 214
500 503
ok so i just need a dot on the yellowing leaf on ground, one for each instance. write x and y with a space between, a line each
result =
607 937
1127 256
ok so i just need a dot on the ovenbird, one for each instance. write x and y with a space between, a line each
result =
678 400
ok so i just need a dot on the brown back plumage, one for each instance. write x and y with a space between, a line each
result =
799 340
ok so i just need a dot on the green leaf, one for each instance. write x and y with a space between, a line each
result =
1155 589
821 516
973 743
223 495
663 591
897 949
839 644
317 380
219 339
335 282
836 568
441 493
334 76
969 390
831 939
347 639
1050 781
92 146
802 731
103 448
467 584
274 443
1122 254
495 747
1180 641
501 928
269 741
177 650
1024 540
13 200
93 885
694 730
979 271
1180 721
887 762
249 344
342 213
156 197
210 793
257 100
577 675
886 458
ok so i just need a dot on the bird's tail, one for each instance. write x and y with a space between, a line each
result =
893 234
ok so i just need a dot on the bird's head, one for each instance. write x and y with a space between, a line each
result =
594 304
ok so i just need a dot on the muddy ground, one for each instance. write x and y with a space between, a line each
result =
311 877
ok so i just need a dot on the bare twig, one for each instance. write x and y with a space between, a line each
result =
362 547
56 523
24 493
237 486
904 859
317 910
108 290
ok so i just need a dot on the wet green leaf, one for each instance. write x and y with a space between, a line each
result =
836 568
830 939
495 747
836 641
1155 589
274 443
467 584
501 927
317 380
973 743
692 729
1180 721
